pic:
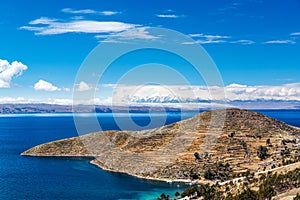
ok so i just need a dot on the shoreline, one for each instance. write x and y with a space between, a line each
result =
93 161
195 182
72 157
185 181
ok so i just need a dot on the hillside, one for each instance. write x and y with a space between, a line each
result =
248 142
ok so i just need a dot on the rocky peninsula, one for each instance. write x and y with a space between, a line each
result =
234 153
218 145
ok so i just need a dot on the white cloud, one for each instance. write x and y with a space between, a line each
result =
89 11
83 86
189 43
167 16
214 37
46 26
295 34
136 33
284 96
23 100
286 92
196 35
109 13
9 71
77 18
58 101
245 42
45 86
83 11
67 89
208 39
201 38
235 85
206 42
280 42
4 100
193 94
161 94
42 20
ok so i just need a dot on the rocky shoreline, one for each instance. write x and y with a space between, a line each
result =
187 181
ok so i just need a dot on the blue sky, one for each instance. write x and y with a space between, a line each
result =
253 42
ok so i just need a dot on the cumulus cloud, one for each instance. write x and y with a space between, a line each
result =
47 26
89 11
163 94
66 89
57 101
23 100
4 100
10 70
83 86
184 96
280 42
196 94
45 86
287 92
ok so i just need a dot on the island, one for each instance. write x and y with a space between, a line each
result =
235 152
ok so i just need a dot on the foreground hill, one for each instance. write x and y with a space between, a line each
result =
214 145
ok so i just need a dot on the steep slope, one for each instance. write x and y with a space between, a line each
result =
219 144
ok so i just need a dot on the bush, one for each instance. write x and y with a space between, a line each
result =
189 192
262 152
197 156
297 197
208 174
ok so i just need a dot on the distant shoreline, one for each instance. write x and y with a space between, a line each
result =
122 112
143 107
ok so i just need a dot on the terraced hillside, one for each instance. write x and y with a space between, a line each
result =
221 144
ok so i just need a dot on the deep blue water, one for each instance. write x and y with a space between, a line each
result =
46 178
291 117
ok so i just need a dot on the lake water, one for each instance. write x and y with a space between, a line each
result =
46 178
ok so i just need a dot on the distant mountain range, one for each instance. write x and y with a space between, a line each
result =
155 105
53 108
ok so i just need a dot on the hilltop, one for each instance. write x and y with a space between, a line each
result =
248 142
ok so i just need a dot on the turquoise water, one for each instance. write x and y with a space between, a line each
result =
46 178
